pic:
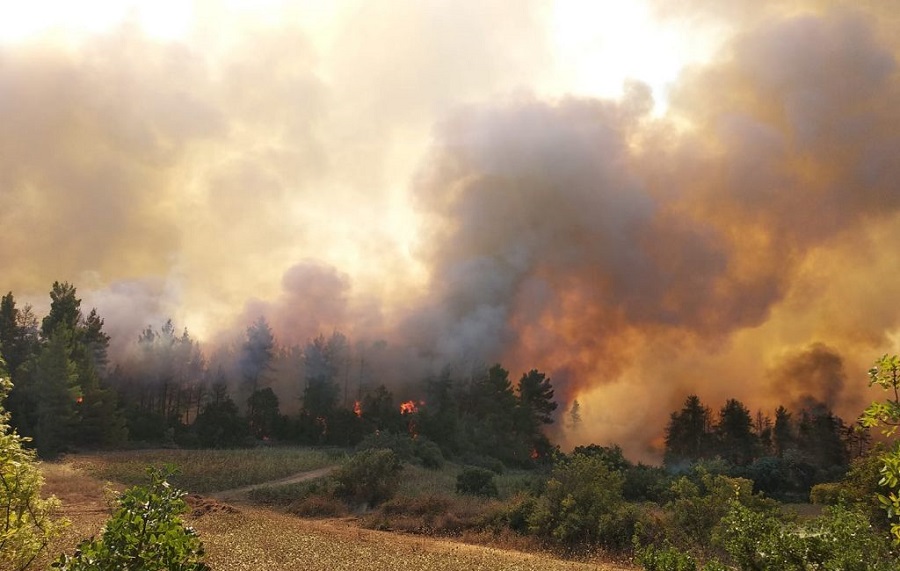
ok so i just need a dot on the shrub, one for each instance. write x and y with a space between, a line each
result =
828 494
488 462
666 558
476 482
580 504
841 539
145 534
414 450
512 514
26 524
429 454
368 477
645 483
861 488
697 507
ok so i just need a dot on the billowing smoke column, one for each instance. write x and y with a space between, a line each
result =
742 245
582 236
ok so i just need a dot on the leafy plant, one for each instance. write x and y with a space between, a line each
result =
476 482
369 476
26 520
886 415
146 533
582 504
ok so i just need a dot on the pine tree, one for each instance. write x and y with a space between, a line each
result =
55 383
688 436
735 438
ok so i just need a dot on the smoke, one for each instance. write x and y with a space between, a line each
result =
815 374
402 175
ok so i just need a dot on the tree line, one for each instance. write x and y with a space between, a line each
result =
784 457
68 394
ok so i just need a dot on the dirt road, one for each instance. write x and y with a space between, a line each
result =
236 493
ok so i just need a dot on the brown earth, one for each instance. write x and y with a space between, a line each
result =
250 538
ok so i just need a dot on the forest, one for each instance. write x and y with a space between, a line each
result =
723 474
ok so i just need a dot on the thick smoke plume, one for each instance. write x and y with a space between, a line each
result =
741 244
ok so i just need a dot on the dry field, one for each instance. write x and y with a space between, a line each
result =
249 538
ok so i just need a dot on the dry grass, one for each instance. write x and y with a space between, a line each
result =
248 541
253 538
206 471
84 502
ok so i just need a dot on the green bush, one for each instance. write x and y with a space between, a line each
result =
861 487
645 483
145 534
697 507
581 504
666 558
488 462
418 450
827 494
842 540
429 454
512 514
476 481
368 477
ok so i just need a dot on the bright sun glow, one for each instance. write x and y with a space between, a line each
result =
161 19
598 44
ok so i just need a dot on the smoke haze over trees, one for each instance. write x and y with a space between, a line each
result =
448 201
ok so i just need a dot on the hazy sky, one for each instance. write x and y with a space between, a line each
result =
643 199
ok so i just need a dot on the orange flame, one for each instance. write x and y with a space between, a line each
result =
408 407
357 408
534 454
79 400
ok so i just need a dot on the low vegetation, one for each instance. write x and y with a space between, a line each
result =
208 471
146 533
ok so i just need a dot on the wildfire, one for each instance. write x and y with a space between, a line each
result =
408 407
79 400
357 408
534 454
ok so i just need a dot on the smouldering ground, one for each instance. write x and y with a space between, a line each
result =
254 538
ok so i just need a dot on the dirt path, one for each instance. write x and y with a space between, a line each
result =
250 538
292 479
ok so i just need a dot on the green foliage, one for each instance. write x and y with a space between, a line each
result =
612 456
829 494
489 462
645 483
735 440
698 506
220 425
146 533
429 454
369 477
688 435
860 488
665 558
26 520
476 482
582 504
842 540
886 415
57 391
418 450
